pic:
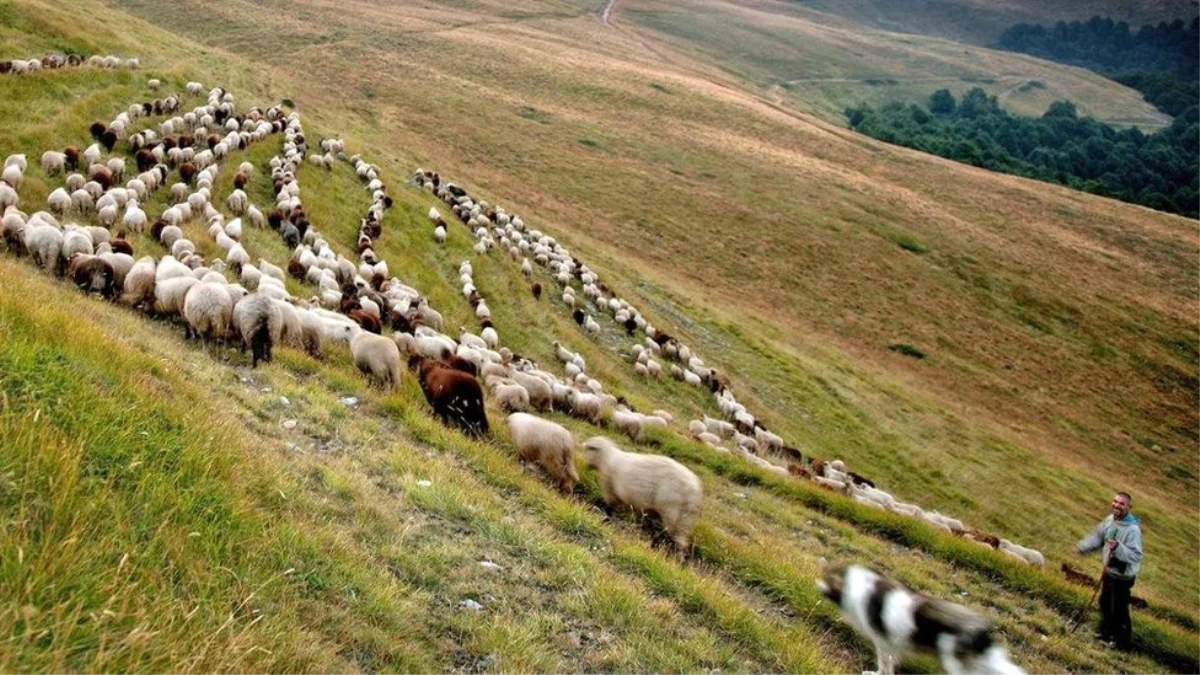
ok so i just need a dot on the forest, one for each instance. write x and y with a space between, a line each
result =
1155 170
1158 170
1161 61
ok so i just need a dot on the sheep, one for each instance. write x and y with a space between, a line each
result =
1027 555
830 483
8 197
548 444
377 357
628 423
208 310
45 243
509 395
75 241
648 484
92 274
139 283
53 162
13 175
59 200
719 427
455 396
259 321
541 396
586 406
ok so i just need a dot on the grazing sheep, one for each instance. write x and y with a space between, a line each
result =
509 395
208 310
586 406
377 357
45 243
649 484
546 443
13 175
1027 555
455 396
628 423
92 274
259 322
139 283
53 162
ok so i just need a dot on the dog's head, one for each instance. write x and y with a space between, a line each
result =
832 582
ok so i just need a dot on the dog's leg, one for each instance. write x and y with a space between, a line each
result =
946 646
884 663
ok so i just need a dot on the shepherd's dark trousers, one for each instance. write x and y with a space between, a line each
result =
1114 610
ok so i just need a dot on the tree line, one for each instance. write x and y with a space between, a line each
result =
1162 61
1157 170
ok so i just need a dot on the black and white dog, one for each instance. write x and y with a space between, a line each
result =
898 621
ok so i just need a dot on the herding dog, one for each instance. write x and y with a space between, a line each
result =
898 621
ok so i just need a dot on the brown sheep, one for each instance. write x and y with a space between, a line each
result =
456 397
92 275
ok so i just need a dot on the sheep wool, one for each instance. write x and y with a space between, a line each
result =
648 484
259 322
548 444
377 357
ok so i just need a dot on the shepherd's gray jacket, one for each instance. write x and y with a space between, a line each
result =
1126 560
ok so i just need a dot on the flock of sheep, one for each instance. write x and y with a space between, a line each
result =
55 61
750 439
353 302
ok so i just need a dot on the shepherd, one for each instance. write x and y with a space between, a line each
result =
1120 537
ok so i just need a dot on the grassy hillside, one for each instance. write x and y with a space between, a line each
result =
980 22
822 65
1057 329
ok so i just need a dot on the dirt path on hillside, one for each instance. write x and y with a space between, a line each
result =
606 15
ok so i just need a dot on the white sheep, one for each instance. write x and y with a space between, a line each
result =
1026 555
13 175
586 406
53 162
44 243
649 484
628 423
259 322
169 294
208 310
139 283
59 200
377 357
509 395
548 444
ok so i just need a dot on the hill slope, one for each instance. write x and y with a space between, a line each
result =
823 64
819 283
979 22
